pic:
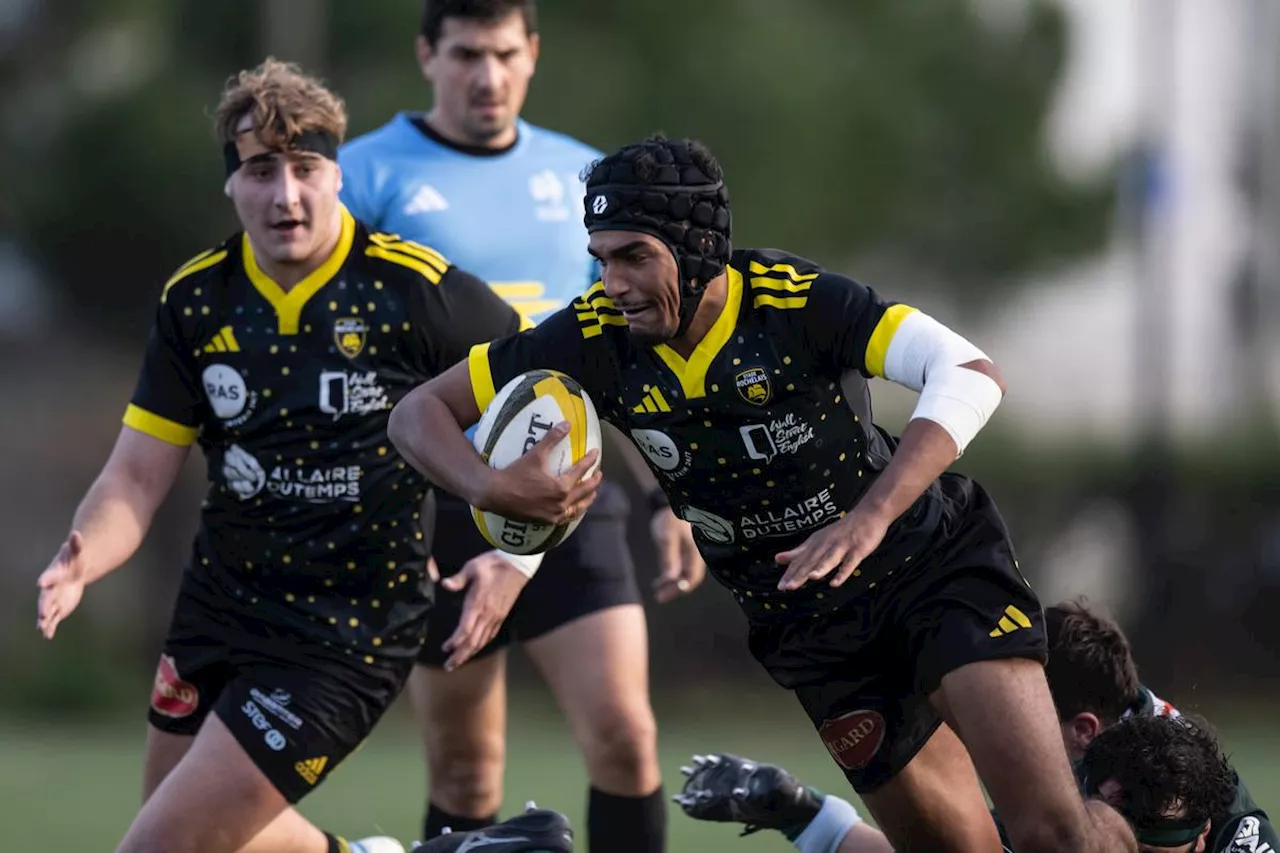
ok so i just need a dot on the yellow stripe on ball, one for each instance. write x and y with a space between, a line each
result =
572 407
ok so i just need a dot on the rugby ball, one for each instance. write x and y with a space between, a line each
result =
519 415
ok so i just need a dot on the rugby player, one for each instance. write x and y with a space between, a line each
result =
1094 682
281 352
503 198
1166 774
879 589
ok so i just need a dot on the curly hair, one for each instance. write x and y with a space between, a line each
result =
283 101
1090 666
1166 767
434 13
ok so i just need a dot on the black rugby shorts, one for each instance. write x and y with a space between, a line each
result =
297 709
864 672
588 572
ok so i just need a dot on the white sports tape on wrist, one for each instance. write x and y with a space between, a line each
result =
526 564
825 832
925 356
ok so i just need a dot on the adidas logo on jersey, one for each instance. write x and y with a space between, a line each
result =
224 341
426 200
311 768
653 402
1012 620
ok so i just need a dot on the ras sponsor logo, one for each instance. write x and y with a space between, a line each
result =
170 695
853 738
802 515
784 435
229 397
350 333
343 393
710 525
754 386
662 452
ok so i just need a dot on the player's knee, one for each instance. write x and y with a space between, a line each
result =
622 745
466 774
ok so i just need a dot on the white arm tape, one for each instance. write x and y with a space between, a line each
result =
925 356
526 564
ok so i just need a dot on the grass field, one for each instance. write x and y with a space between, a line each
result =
76 787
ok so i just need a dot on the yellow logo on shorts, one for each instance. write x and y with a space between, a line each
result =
1012 620
311 768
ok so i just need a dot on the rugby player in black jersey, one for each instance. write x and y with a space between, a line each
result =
878 588
301 611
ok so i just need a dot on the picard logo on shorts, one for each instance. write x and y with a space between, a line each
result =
170 695
754 386
349 333
853 738
311 769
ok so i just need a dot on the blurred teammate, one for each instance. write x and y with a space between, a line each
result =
281 351
880 590
503 198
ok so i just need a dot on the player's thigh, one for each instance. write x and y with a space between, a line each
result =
1004 713
935 802
461 715
597 667
215 799
163 752
909 768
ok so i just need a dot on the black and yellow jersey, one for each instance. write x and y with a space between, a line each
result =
751 436
311 518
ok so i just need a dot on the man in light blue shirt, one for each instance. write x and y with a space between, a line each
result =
503 198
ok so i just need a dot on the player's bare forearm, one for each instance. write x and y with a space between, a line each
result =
427 427
924 452
116 512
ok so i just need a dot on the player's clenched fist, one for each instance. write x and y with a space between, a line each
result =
61 586
526 492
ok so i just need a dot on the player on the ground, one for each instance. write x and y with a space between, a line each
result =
879 589
1166 775
281 351
1094 682
503 198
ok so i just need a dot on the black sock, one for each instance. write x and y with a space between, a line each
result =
626 824
437 819
336 844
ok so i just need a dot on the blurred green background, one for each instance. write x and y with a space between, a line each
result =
1090 191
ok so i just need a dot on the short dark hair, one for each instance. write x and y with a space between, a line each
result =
1090 667
1167 768
434 13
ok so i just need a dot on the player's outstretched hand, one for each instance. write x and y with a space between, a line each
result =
61 586
680 567
838 547
492 585
526 492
